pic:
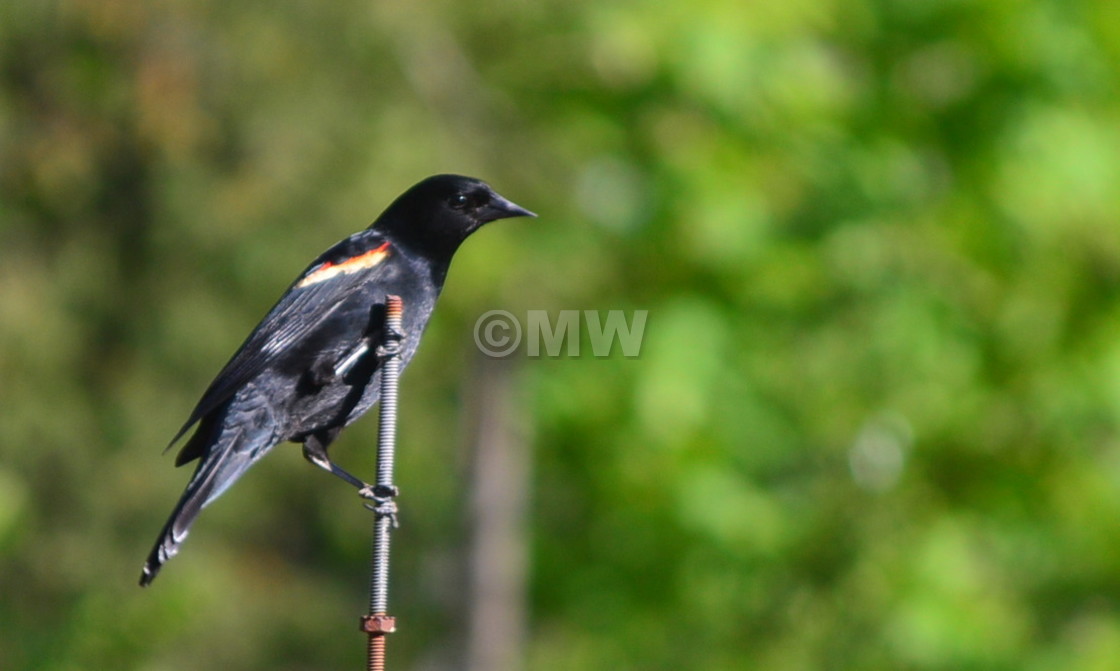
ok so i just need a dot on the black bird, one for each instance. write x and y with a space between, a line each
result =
311 367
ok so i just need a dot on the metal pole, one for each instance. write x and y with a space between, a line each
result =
378 623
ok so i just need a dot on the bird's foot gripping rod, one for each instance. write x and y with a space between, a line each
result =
314 448
389 346
383 504
389 352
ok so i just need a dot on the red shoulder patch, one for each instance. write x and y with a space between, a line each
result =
351 265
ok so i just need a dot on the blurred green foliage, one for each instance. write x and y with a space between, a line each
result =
874 420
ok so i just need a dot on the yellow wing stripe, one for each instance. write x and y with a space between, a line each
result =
350 265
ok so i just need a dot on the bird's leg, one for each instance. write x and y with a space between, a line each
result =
390 344
315 451
323 372
351 359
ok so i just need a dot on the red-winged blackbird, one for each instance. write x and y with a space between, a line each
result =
310 367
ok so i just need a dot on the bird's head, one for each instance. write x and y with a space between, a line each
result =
441 211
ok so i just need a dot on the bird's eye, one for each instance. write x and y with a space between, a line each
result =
459 201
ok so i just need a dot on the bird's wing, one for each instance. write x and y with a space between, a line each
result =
314 297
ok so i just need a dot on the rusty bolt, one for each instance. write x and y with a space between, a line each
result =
379 624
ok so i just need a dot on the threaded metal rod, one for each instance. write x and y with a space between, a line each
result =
377 624
379 568
375 655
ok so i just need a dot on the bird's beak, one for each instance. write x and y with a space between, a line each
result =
500 208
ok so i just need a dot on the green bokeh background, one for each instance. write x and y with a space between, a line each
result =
873 424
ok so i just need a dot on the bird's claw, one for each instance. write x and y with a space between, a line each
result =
383 504
387 509
379 493
390 343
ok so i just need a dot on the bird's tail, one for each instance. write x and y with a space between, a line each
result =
224 463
